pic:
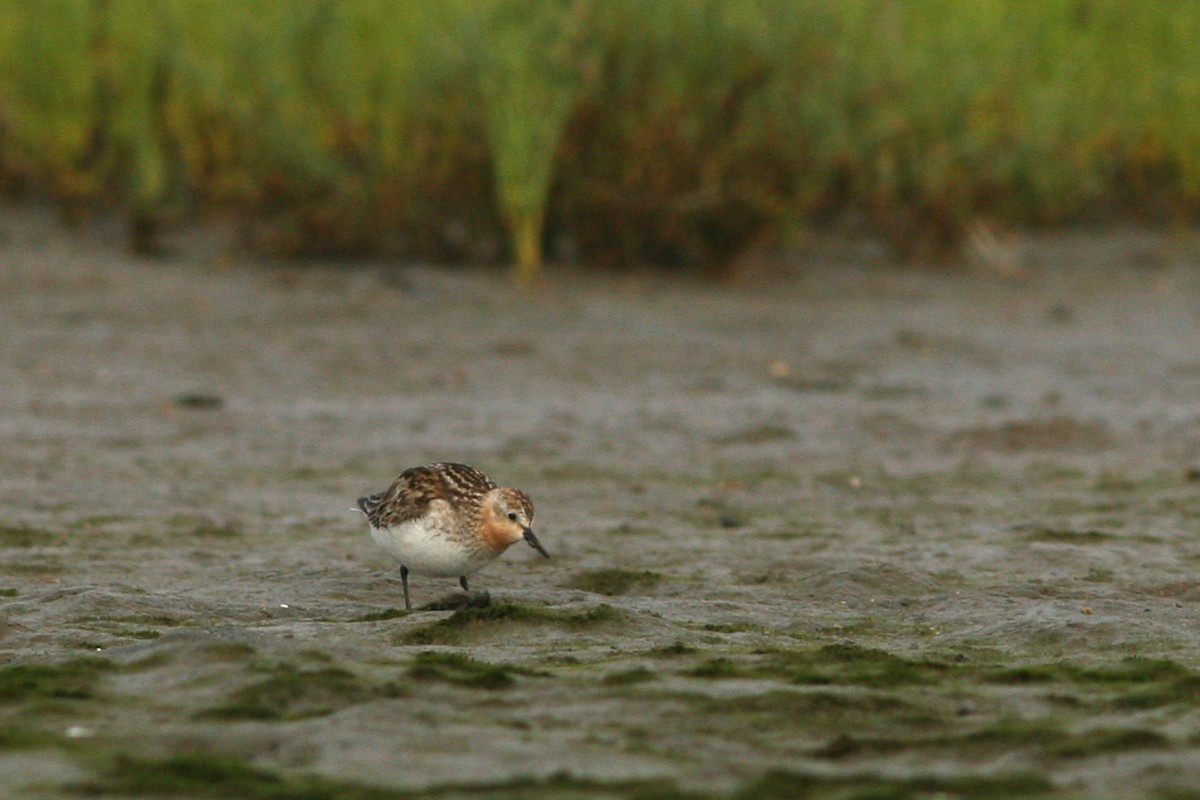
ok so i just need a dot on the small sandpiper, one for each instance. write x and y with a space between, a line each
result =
448 520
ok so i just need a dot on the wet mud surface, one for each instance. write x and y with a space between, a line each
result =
840 530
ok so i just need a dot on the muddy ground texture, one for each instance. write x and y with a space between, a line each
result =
834 529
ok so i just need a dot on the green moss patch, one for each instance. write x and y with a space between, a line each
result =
26 536
719 668
12 738
1134 683
835 664
226 651
1131 671
613 581
217 530
781 783
1000 737
461 670
132 626
757 434
628 677
1169 692
224 776
73 680
801 710
162 620
1107 740
35 564
673 650
291 693
206 775
464 622
1045 738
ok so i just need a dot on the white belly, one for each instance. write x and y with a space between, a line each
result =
429 551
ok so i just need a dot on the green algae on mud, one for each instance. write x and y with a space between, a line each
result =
382 616
797 710
1132 683
462 670
225 651
227 776
673 650
14 738
629 676
39 564
71 680
786 783
292 693
1045 738
217 530
210 775
833 664
222 776
613 581
128 626
459 625
1106 741
25 536
217 775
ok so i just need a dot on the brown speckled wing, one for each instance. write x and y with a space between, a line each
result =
409 496
461 484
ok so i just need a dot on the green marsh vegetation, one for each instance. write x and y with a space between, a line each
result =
674 132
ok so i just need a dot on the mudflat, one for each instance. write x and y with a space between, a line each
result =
830 529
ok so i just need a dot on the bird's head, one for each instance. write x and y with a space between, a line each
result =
508 518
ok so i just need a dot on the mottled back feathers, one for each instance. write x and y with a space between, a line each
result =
409 496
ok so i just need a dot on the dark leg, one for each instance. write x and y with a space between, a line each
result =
404 582
462 580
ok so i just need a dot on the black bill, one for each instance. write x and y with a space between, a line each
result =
534 543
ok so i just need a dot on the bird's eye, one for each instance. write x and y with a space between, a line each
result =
512 515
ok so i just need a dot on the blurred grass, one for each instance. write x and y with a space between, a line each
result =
676 132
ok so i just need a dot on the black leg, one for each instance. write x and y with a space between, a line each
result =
462 580
404 582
